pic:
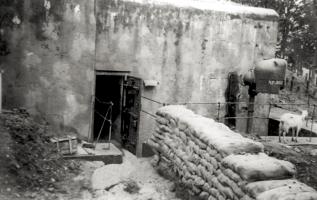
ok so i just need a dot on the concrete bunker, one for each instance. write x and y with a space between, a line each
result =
55 60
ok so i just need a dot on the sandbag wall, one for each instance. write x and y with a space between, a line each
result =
214 162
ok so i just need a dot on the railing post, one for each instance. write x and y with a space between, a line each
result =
307 109
1 72
250 114
312 123
218 112
268 117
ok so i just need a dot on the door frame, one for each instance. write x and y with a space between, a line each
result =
124 74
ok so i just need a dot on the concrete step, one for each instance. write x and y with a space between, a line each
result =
105 152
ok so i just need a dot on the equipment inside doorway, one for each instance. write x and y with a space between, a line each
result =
117 110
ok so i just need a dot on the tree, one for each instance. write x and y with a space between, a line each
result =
297 40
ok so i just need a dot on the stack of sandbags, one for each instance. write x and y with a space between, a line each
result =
281 189
257 167
243 169
209 158
195 146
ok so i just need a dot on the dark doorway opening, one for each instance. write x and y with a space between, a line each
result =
117 98
273 127
108 98
231 95
273 130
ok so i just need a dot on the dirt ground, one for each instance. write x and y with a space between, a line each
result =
304 157
134 179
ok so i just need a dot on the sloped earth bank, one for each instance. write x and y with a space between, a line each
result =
134 179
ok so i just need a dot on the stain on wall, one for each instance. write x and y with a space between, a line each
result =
49 70
188 51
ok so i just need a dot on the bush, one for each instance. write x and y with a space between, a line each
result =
34 159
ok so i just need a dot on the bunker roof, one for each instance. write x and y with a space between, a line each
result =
216 6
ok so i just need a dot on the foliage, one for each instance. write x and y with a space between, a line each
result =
297 40
34 160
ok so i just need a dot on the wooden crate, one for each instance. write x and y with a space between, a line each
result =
66 145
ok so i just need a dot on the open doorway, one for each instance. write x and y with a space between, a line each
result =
108 98
117 103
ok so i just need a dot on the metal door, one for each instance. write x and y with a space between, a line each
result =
131 107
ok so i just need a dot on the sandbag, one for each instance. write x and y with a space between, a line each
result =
174 110
206 165
259 167
183 136
152 143
232 175
163 128
288 193
182 126
213 162
211 198
246 197
201 144
196 190
161 120
227 182
225 191
198 181
172 123
256 188
211 152
204 195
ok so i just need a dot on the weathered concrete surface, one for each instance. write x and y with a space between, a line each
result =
188 50
189 47
50 68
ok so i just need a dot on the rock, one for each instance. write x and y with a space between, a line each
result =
131 187
297 150
172 188
30 194
99 193
313 152
111 174
79 178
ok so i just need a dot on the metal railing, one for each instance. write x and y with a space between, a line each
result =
219 108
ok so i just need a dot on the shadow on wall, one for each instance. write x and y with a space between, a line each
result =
231 95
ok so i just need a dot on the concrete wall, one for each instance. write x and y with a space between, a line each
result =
189 47
188 51
50 68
